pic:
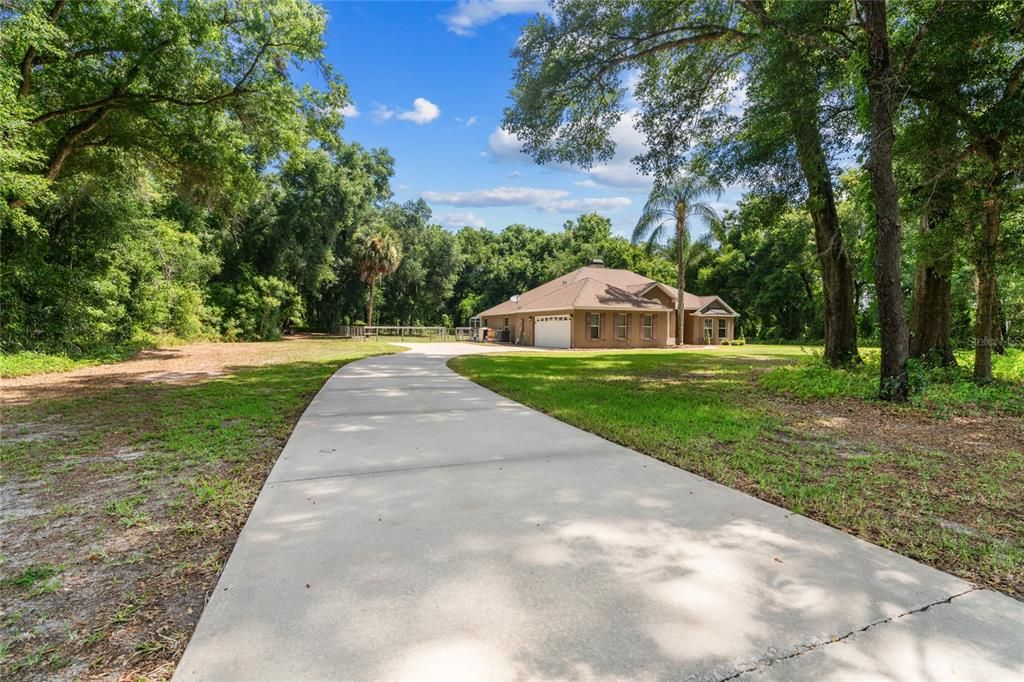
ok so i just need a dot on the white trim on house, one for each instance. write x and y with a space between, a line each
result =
717 301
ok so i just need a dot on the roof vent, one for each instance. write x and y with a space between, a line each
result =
597 263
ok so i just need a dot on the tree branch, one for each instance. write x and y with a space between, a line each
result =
757 8
25 87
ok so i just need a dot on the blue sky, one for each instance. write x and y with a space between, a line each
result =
429 81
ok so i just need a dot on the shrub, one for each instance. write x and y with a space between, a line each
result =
260 308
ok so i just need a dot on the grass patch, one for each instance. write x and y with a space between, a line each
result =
939 485
144 488
35 579
941 389
24 363
31 362
126 510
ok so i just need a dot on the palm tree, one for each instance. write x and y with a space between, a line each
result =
378 253
673 202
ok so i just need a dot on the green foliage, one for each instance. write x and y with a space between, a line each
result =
496 265
137 200
675 201
761 258
260 308
420 288
938 388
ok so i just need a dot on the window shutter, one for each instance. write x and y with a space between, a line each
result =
600 326
629 324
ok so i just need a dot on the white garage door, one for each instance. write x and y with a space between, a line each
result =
552 331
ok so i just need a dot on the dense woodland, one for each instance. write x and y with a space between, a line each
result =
165 173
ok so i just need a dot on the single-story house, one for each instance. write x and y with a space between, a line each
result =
599 307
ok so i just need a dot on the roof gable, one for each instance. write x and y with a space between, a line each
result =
597 287
713 305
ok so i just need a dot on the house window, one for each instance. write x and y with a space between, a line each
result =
621 326
723 329
707 330
505 327
647 328
595 325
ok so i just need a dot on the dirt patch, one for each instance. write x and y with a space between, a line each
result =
178 365
124 488
903 429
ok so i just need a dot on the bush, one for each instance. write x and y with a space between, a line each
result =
260 308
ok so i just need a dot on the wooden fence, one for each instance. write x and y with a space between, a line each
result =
402 332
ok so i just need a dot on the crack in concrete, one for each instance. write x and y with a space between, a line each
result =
807 648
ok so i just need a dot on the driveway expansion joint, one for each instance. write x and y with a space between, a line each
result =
446 465
802 649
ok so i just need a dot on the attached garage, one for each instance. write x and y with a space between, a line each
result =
599 307
553 331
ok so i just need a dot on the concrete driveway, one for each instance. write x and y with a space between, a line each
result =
420 527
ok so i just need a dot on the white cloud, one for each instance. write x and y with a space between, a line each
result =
459 219
423 111
498 196
588 183
506 147
470 121
382 113
515 174
541 200
349 110
622 174
468 15
585 205
618 172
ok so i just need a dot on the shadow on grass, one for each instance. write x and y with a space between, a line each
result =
138 492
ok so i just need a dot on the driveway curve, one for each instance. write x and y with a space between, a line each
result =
420 527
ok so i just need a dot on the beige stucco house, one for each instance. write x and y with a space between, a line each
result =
599 307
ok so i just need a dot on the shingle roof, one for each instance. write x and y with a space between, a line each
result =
594 287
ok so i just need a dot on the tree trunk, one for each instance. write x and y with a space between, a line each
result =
681 248
369 305
999 333
930 313
836 268
892 317
985 327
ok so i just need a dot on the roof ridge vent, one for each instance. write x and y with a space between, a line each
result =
597 263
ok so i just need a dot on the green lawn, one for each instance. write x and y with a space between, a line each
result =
942 389
122 505
938 480
25 363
